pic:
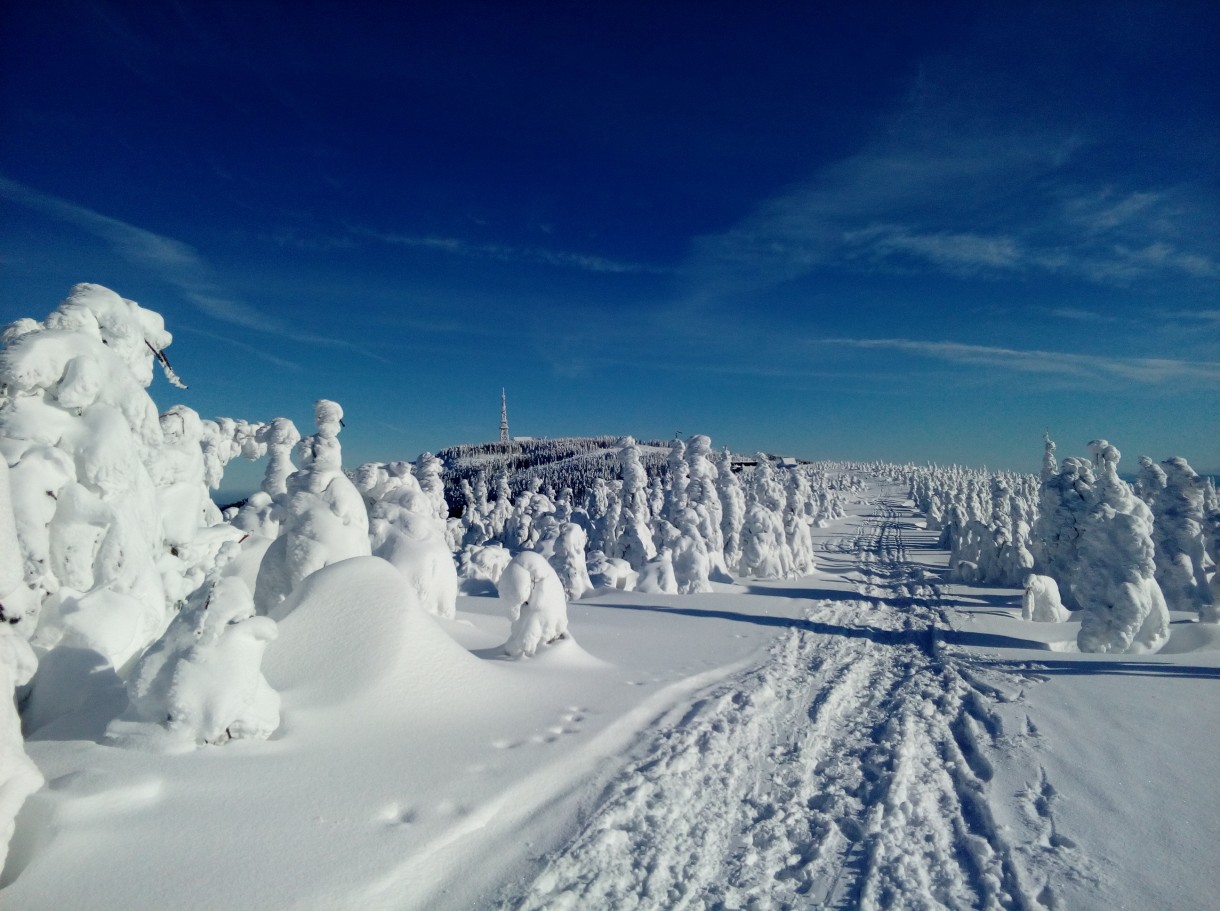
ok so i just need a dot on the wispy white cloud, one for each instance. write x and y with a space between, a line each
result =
176 263
255 350
1077 315
945 191
955 252
1152 371
506 253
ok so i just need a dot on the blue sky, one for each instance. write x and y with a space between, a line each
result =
920 234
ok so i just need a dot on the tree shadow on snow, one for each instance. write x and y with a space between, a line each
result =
921 637
1047 669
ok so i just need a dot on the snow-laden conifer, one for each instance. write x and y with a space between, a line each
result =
323 517
1181 552
1114 579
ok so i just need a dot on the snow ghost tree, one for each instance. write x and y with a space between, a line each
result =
405 531
733 500
690 561
19 777
1049 466
192 529
632 537
258 515
428 470
533 596
703 496
1114 581
84 440
1041 600
323 517
657 575
202 680
1065 499
568 560
1150 481
1181 554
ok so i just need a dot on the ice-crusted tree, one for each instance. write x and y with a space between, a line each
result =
733 501
797 523
84 440
1049 466
202 680
1041 600
501 507
703 496
1211 540
428 470
405 531
191 528
1115 580
1181 553
763 549
533 596
1150 481
677 481
689 555
633 539
323 518
569 562
1065 500
258 515
19 777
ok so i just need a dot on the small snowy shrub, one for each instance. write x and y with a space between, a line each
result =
203 680
1041 600
534 599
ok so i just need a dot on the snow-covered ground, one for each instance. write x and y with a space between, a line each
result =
867 736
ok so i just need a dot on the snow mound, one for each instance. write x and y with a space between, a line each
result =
355 627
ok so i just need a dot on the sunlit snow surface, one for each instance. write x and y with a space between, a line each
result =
866 736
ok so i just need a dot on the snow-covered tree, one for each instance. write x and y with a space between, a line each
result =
405 531
428 469
323 517
1041 600
692 564
83 439
534 599
202 680
258 515
19 777
733 501
1065 501
633 540
1181 552
568 560
1115 577
657 575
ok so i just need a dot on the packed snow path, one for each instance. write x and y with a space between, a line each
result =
851 770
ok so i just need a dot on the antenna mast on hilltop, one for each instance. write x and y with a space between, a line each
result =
503 417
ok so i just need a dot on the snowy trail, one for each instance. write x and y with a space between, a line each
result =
852 769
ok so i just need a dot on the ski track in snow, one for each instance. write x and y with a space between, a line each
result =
851 770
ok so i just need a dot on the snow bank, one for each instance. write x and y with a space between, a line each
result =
353 631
